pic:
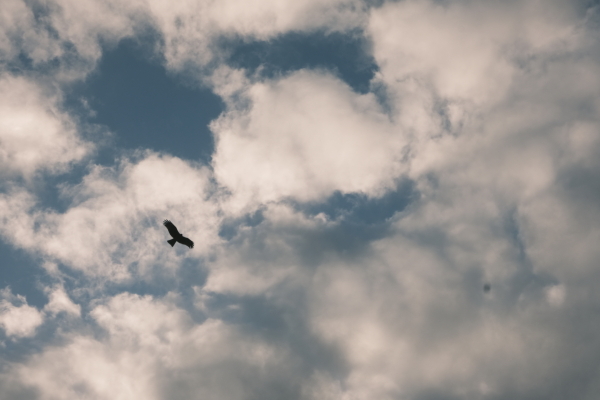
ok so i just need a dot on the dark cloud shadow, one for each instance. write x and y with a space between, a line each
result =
435 395
280 318
230 379
354 221
17 391
524 281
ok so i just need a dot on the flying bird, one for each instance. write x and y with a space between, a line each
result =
177 237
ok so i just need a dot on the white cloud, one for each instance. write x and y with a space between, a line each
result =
498 107
190 27
63 37
556 295
115 221
34 134
466 50
67 36
84 24
20 319
412 318
271 17
59 301
493 115
14 15
499 202
261 257
301 137
151 349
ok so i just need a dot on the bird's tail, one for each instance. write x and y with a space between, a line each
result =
172 242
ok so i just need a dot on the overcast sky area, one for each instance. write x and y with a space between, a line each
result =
390 200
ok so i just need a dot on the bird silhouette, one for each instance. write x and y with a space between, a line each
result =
177 237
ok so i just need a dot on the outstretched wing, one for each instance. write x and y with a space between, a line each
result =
172 229
187 242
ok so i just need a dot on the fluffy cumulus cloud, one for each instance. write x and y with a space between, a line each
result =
300 137
479 283
154 350
113 216
67 36
189 28
17 318
34 134
59 302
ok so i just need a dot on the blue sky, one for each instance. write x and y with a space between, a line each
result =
132 94
389 200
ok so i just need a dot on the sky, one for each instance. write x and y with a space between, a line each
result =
392 200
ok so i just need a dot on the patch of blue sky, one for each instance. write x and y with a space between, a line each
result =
346 55
359 220
132 95
22 273
361 209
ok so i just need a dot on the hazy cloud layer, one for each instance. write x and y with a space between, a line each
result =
487 113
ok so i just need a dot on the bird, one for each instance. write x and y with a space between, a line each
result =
177 237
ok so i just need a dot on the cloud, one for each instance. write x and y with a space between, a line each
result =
466 50
494 125
490 110
15 15
300 137
152 349
59 301
63 39
191 30
66 37
35 135
114 221
490 142
17 318
261 257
